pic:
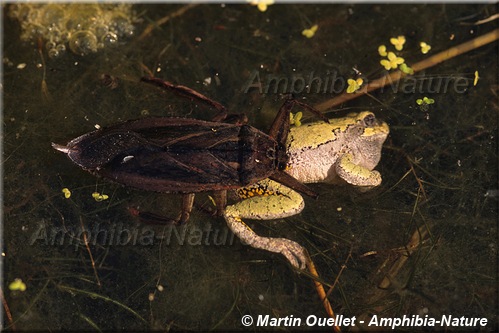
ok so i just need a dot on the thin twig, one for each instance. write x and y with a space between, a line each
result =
44 87
322 293
424 64
165 19
421 187
7 310
343 267
89 252
414 243
488 19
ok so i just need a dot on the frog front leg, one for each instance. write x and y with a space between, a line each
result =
355 174
267 200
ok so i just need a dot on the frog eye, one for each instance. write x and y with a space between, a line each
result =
370 120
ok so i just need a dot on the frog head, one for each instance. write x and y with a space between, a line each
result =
364 137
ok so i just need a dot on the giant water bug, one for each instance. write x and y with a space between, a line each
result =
187 156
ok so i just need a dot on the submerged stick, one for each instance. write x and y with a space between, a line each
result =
322 293
424 64
44 87
85 240
7 310
165 19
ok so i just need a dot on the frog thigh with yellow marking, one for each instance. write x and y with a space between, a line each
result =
355 174
267 200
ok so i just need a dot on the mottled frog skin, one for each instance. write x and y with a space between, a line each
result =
345 150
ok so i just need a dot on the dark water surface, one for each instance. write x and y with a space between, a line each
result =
439 168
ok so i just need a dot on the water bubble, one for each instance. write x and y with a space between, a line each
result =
129 31
65 36
50 45
101 30
54 34
32 15
21 12
61 48
85 14
84 27
38 30
53 53
73 24
83 42
52 15
110 39
122 24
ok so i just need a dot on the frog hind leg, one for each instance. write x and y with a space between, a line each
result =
267 200
355 174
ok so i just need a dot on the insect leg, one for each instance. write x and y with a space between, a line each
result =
152 218
187 92
220 201
280 127
187 203
311 109
285 179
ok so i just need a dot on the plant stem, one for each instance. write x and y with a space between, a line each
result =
424 64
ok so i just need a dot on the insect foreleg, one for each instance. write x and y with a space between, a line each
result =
188 92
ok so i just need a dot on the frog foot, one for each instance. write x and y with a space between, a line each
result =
294 252
355 174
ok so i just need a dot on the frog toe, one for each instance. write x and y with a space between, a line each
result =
294 252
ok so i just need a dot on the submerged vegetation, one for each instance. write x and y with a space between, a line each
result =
423 243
